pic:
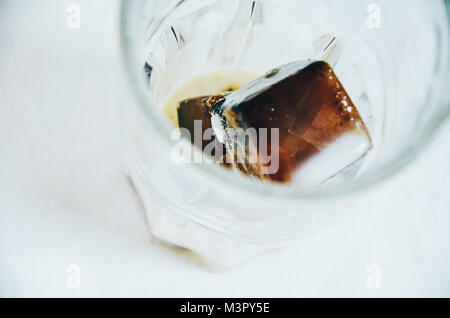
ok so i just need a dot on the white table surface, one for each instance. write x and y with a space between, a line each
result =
65 200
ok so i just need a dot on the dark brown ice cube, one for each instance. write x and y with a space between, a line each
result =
311 111
197 109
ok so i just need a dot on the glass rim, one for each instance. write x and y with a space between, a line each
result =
255 187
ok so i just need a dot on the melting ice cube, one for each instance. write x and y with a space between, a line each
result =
312 128
194 117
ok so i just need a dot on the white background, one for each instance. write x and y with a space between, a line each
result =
65 200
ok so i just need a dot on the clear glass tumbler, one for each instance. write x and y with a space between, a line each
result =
393 60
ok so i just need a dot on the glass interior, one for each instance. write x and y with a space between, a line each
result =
395 68
392 58
393 61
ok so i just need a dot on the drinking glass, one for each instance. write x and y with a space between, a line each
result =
393 61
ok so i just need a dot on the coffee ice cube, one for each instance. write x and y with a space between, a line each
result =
194 117
313 129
